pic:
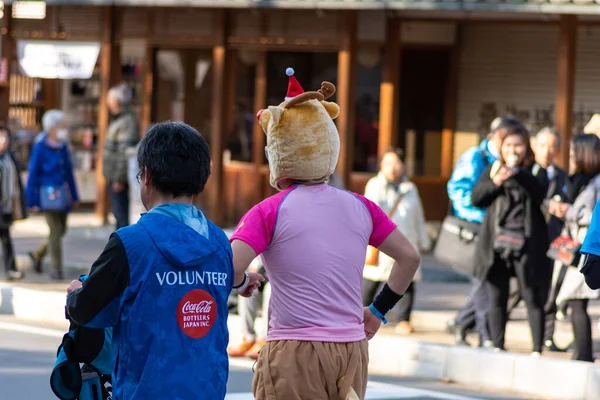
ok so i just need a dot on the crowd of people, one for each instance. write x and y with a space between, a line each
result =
51 187
524 202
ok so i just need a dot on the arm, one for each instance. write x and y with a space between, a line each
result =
463 180
591 271
584 216
251 237
32 191
98 303
534 182
70 178
406 258
485 191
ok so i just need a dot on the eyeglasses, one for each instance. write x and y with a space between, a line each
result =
139 176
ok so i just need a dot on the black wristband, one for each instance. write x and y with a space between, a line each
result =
386 299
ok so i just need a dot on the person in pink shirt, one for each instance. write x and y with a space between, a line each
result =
312 238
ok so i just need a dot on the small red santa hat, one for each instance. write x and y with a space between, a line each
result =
294 88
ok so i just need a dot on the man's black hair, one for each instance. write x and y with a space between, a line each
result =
177 158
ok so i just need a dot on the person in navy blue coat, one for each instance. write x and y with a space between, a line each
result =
51 188
163 282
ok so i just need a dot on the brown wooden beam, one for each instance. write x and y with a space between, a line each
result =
346 96
258 136
450 108
565 91
147 99
389 92
8 50
219 96
110 71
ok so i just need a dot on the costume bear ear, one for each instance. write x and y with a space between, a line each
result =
332 109
273 113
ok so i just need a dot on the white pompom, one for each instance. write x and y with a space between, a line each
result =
289 71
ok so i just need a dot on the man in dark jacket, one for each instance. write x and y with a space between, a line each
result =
123 133
163 282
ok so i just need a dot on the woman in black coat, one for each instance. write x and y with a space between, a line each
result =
514 236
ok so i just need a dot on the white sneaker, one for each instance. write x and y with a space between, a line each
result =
536 354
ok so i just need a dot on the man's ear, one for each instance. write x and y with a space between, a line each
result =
332 109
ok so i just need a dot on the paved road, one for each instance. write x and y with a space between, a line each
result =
27 354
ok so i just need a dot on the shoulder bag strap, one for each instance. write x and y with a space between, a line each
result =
396 204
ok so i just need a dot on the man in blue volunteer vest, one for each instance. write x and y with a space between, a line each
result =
163 282
590 250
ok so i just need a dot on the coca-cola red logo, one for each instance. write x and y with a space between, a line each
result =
197 313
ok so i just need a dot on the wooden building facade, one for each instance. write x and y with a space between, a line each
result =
426 76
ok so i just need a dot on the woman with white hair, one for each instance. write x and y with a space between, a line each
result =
122 134
51 188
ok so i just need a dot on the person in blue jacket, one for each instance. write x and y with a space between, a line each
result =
469 168
590 250
51 188
163 282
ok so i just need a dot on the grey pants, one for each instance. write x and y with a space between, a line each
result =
57 222
248 308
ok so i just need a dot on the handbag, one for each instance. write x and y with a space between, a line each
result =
372 257
509 242
456 244
566 250
54 198
457 240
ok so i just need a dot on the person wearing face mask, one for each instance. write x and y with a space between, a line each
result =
12 202
392 188
51 188
123 133
514 236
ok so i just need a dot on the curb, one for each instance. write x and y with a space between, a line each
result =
541 377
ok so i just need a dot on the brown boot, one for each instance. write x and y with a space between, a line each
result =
404 328
241 349
253 352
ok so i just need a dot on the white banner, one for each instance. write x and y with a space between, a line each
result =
57 59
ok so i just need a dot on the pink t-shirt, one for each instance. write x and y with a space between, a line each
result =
313 241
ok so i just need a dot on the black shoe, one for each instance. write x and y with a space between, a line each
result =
551 346
37 263
14 275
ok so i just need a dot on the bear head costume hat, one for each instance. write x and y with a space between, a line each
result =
303 144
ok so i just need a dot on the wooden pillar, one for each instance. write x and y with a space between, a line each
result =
8 50
147 99
346 94
218 123
565 90
389 93
450 107
110 71
258 136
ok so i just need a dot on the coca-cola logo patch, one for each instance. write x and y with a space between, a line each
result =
197 313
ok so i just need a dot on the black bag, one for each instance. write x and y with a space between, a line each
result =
457 240
509 242
456 244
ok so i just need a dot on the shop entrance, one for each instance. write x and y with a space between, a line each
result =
424 77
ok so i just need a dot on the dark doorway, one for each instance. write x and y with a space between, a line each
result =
423 79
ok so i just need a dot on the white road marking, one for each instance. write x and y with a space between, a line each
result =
9 326
382 391
375 390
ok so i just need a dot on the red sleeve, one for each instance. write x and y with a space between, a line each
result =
258 225
382 224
